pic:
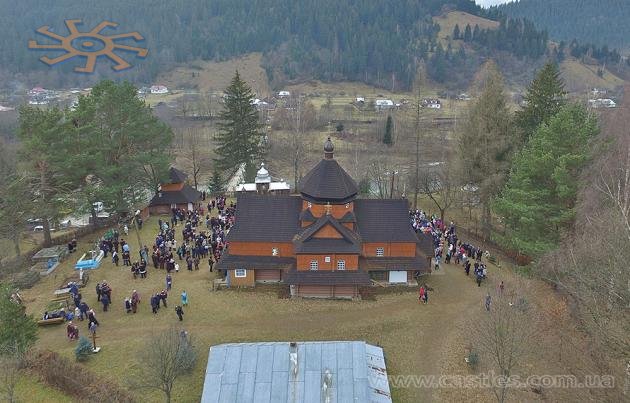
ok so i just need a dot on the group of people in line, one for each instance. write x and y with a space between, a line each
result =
447 248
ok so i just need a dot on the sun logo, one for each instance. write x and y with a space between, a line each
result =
90 45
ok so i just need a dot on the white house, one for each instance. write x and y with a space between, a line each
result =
37 91
360 100
284 94
602 103
381 104
432 103
159 89
608 103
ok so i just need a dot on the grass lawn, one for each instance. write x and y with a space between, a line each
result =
417 339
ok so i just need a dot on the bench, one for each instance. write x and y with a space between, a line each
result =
52 321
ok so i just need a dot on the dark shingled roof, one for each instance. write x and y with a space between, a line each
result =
261 218
229 262
426 244
384 220
348 217
328 182
395 263
327 277
307 215
186 195
176 175
305 243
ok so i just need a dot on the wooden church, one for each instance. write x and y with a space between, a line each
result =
324 242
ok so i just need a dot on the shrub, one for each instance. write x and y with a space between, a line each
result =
83 351
284 292
472 359
74 379
367 294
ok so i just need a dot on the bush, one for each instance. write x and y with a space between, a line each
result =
74 379
83 351
284 292
472 359
367 293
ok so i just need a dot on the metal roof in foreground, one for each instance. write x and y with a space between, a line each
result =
301 372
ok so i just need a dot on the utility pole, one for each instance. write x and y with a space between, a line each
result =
416 185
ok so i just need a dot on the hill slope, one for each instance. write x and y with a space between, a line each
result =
374 41
602 22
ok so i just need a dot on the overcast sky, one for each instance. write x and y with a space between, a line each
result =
486 3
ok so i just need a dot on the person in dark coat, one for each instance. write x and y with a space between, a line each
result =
98 291
92 318
155 303
163 295
180 312
169 282
105 302
135 300
83 308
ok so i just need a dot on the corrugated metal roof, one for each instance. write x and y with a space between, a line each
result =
262 373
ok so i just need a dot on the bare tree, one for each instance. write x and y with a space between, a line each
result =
167 356
438 182
194 153
297 118
504 335
380 177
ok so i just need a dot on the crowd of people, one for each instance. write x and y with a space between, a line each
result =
447 247
202 239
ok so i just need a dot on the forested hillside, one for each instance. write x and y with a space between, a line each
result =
602 22
375 41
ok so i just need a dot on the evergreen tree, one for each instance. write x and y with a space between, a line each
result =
15 208
18 331
485 140
48 165
538 202
84 349
467 33
456 32
216 183
240 139
545 97
122 149
475 33
389 126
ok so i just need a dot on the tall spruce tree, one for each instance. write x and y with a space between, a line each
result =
545 97
48 166
539 199
216 183
468 33
18 331
485 140
389 127
240 139
124 147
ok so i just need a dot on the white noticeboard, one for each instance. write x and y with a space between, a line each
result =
397 276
